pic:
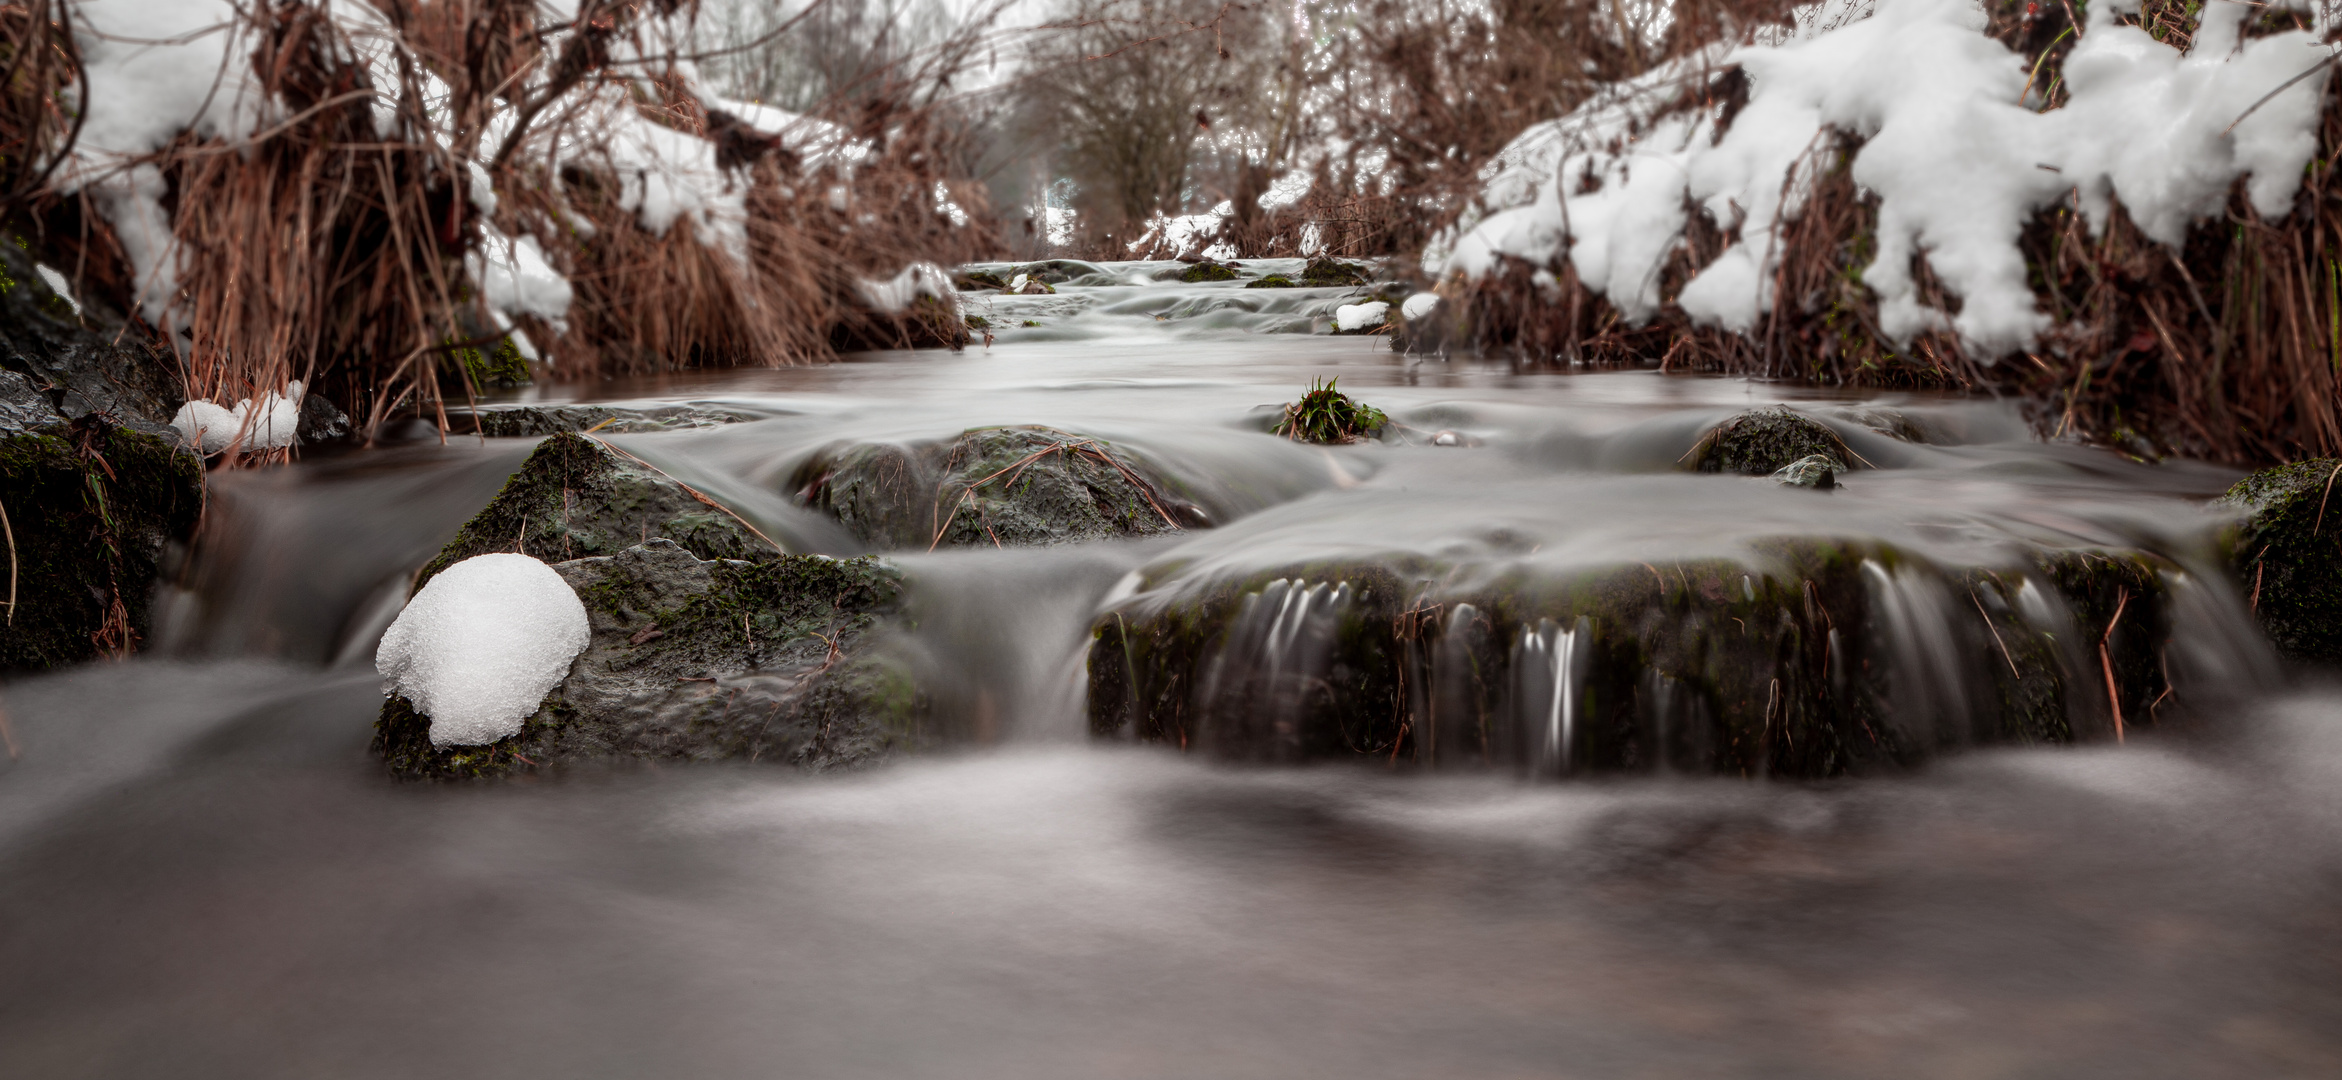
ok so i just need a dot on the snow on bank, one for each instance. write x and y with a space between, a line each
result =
896 295
479 648
1953 148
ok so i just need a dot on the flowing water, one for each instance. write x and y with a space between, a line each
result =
202 874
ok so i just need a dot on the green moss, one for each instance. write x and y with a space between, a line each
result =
1326 416
2287 555
574 497
1029 324
979 322
1763 441
500 366
1273 281
1207 271
90 508
979 279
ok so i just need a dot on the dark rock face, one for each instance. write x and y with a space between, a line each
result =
1763 441
91 486
530 421
991 486
703 660
81 365
1830 660
575 497
2288 556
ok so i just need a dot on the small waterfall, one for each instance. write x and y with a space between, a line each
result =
1549 671
1929 671
1275 653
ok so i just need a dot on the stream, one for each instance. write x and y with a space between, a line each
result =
204 874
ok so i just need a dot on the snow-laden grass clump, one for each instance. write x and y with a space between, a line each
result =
482 645
211 427
1955 143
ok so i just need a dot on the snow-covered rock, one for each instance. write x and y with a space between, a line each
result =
1419 305
482 645
1353 317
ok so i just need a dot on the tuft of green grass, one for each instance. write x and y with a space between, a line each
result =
1329 417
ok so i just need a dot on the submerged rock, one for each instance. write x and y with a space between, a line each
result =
703 660
1764 441
1827 659
2288 555
992 487
534 420
575 497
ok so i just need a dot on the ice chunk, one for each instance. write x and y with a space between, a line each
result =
482 645
1359 316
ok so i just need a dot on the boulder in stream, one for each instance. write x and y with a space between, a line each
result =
2288 555
1761 442
992 487
702 660
1819 659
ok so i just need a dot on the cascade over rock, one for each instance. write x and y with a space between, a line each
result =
1818 658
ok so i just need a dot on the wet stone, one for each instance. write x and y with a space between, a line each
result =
992 487
1764 441
695 659
1821 659
1811 471
528 421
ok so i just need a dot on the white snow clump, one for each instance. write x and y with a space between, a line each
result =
479 648
211 427
919 279
1360 316
1418 305
1952 146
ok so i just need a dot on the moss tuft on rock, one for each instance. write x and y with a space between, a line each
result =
1764 441
979 279
535 420
1325 272
1328 417
2288 555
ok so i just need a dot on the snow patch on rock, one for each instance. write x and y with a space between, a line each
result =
479 648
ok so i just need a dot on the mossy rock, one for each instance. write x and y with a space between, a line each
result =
974 280
991 486
1761 442
91 509
574 497
979 322
529 421
2288 556
1324 273
1273 281
85 363
1207 270
1805 662
704 660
